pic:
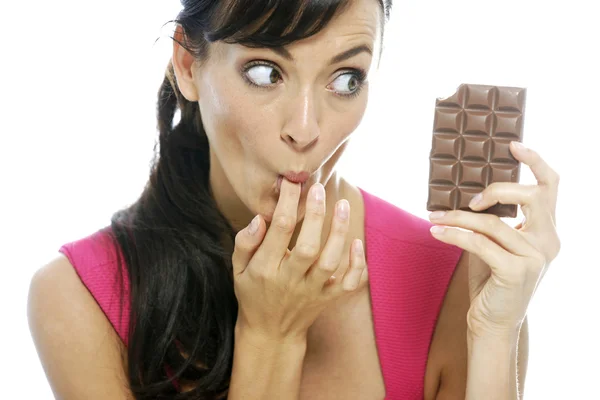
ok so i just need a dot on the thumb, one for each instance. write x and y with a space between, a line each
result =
246 243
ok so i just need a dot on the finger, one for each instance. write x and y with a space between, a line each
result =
331 256
541 170
308 246
490 225
358 264
247 242
504 193
529 197
356 274
491 253
283 224
545 175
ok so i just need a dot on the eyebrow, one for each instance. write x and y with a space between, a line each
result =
283 52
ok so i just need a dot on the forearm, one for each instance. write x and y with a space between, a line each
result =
492 368
264 368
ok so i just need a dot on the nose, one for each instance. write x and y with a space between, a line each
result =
301 127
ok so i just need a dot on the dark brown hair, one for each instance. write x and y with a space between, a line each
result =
176 244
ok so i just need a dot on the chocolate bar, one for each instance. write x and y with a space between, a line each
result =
472 130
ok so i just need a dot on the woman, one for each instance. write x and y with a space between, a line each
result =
241 271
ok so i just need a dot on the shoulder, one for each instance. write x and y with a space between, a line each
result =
80 351
100 268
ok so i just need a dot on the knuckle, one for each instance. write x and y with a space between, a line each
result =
316 210
490 189
350 287
339 228
285 223
328 266
491 222
307 250
452 214
262 275
240 243
479 242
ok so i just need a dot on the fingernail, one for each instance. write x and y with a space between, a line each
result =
253 227
342 209
475 200
437 215
358 247
519 146
437 229
318 192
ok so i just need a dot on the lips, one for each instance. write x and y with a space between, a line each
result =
297 177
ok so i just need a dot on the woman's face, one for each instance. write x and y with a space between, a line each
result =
268 112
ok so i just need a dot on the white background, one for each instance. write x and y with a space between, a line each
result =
77 127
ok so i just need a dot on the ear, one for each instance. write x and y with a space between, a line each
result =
183 64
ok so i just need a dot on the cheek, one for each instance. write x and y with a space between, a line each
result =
348 115
228 118
236 123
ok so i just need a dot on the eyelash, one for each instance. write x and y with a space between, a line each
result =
359 73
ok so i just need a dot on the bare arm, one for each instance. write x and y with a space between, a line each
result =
84 358
491 359
492 369
81 354
451 340
522 357
265 368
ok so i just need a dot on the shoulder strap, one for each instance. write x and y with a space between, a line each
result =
95 259
409 274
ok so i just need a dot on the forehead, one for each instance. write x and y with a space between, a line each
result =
360 22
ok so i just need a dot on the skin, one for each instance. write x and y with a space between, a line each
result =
505 267
301 124
298 124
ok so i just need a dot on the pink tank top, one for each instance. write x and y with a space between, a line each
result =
409 273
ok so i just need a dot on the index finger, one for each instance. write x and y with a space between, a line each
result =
541 170
284 221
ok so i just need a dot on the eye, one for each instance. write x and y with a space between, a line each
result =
347 83
262 75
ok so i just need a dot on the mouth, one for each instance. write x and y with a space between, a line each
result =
280 180
295 177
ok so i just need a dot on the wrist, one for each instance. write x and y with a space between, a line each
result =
492 362
264 341
266 366
493 344
497 334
